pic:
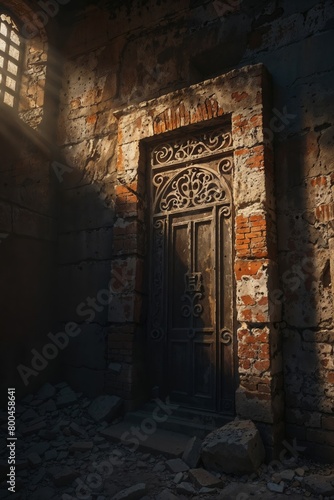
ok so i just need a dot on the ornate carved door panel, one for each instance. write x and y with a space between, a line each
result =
191 299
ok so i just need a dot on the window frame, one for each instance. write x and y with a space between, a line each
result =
21 48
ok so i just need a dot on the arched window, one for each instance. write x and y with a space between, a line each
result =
11 48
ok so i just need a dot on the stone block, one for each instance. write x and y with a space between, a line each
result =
192 453
95 244
86 350
185 488
235 448
126 308
276 488
133 493
28 223
83 289
34 459
81 446
47 391
177 465
63 476
105 408
320 485
249 404
72 217
203 478
166 495
328 422
90 381
43 492
66 397
50 455
32 429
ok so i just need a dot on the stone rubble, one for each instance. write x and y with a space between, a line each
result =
192 453
235 448
67 458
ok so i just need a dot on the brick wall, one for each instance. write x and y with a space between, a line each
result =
115 56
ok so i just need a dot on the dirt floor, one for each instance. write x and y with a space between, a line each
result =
61 453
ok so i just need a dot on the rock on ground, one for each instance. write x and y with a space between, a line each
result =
235 448
192 453
203 478
320 485
105 408
166 495
133 493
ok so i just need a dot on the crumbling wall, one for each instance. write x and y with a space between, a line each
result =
121 55
28 226
28 255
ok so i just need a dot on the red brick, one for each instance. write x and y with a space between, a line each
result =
263 336
261 318
248 300
237 96
254 235
247 268
243 253
264 388
241 246
262 365
264 352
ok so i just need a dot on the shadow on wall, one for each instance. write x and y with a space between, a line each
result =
27 247
302 165
55 250
85 224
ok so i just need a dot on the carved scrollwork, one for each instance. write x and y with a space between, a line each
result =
192 293
225 211
157 334
190 188
192 309
225 166
191 148
226 336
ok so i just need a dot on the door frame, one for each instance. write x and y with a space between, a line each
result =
219 163
244 95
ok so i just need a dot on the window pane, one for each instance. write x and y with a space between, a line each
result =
3 29
9 99
10 83
14 53
13 68
10 51
14 38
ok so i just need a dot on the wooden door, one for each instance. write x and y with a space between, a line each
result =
190 327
